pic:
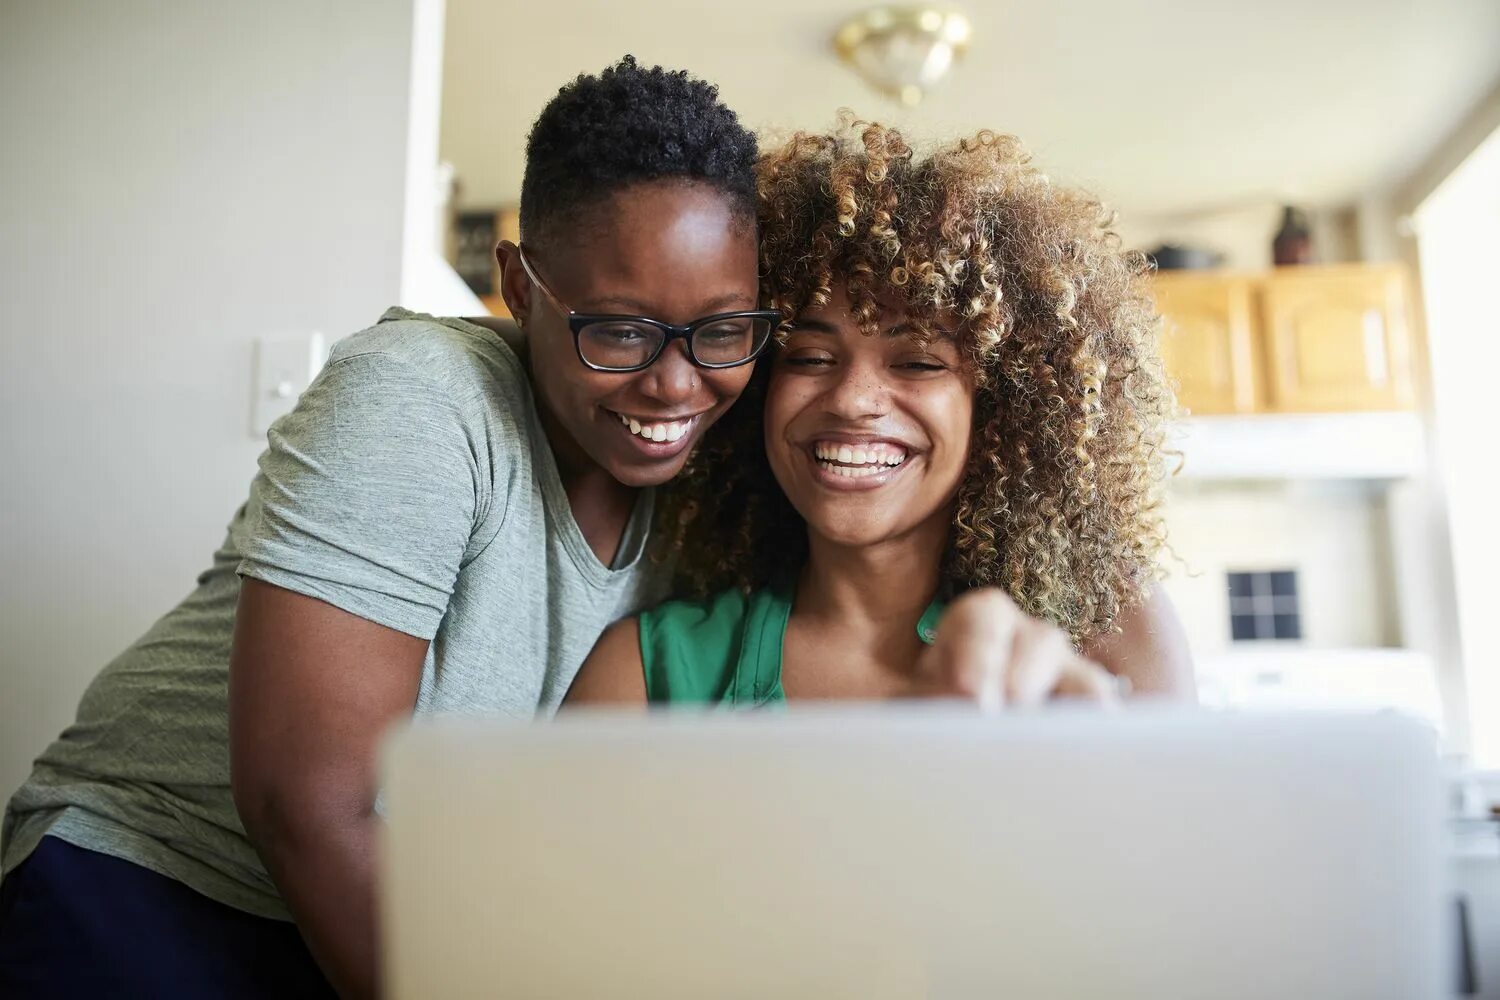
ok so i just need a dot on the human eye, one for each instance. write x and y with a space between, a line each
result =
919 364
619 332
806 358
725 331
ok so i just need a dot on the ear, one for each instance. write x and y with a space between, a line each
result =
515 286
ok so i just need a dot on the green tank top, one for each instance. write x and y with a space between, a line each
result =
726 650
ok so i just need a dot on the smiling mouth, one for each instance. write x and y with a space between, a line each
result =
658 431
858 461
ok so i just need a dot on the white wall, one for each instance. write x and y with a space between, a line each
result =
177 178
1334 533
1242 233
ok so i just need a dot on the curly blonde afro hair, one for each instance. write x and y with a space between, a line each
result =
1059 503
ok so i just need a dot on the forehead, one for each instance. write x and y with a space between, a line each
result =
687 217
671 250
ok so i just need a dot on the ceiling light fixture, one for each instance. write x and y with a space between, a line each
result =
903 51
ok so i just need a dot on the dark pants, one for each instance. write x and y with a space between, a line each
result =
76 923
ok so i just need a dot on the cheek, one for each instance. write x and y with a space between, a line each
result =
781 408
784 401
963 426
727 384
963 442
950 423
583 390
596 386
555 363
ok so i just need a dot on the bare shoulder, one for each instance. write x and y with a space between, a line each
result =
1150 649
614 673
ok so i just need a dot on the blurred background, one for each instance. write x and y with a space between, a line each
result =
197 198
1294 170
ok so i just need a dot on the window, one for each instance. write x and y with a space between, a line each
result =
1263 605
1456 228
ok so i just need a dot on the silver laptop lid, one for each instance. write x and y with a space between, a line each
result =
915 852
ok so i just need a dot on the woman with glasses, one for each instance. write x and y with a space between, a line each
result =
622 344
944 479
445 523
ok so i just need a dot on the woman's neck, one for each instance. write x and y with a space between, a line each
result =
883 586
852 632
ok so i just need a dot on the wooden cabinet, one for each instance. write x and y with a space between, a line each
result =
1208 341
1295 340
1337 339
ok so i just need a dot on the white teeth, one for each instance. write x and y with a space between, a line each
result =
878 455
852 472
670 430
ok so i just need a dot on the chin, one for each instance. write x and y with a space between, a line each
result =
853 531
639 475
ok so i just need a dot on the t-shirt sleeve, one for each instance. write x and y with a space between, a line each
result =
368 495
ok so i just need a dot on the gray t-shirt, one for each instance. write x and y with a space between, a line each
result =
412 486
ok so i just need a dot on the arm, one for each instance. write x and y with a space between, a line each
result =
614 673
355 535
1150 650
311 690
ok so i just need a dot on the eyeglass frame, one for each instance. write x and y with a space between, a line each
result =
670 332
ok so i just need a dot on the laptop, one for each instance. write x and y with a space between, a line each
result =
879 852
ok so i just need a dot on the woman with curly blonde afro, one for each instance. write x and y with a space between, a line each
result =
945 478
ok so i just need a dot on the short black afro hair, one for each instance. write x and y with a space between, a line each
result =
629 124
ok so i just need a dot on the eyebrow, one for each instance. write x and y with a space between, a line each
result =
729 302
902 329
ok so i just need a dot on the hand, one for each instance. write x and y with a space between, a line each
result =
990 651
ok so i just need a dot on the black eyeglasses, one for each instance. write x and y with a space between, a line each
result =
609 343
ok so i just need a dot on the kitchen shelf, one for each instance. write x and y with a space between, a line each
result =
1390 445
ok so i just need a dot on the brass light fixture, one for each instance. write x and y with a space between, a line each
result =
903 51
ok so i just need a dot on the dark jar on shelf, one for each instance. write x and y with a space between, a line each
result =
1293 242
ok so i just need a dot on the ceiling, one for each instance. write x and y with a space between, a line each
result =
1161 107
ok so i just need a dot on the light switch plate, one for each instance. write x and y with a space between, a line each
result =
285 364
